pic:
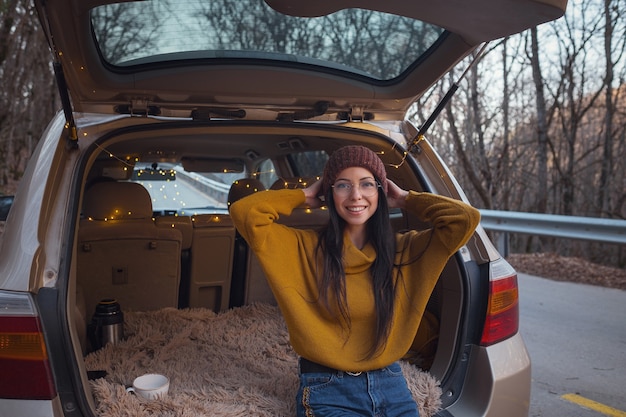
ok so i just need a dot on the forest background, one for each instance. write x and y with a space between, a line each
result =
537 125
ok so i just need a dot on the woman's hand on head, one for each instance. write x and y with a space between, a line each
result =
396 196
312 193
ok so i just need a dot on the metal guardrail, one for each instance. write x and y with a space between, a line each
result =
568 227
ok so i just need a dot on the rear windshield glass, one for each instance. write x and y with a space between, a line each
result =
372 44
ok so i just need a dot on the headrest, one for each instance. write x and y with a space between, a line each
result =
244 187
116 201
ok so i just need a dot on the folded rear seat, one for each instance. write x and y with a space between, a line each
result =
122 254
184 225
212 249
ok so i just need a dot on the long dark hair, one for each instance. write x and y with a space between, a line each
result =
332 280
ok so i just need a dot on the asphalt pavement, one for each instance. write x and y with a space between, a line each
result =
576 337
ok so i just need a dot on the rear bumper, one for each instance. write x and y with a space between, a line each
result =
498 381
30 408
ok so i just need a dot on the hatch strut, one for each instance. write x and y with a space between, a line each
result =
444 101
70 124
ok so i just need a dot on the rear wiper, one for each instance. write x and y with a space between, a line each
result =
204 113
319 109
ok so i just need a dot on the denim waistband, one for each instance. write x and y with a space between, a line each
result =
309 367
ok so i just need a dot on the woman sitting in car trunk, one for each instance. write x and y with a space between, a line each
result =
353 295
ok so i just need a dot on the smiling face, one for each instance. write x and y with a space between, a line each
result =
351 203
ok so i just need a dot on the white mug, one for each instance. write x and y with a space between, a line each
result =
150 386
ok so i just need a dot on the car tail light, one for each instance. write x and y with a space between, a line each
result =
502 320
24 361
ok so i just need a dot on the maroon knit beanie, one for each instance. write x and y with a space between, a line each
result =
353 156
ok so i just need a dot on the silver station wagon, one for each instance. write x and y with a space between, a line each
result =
119 257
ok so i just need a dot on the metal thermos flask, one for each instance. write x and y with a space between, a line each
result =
107 323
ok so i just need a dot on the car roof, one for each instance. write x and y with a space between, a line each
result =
269 59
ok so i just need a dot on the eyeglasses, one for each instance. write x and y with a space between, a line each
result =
366 188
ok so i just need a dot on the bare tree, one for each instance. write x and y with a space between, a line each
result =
479 124
611 102
28 97
575 96
542 125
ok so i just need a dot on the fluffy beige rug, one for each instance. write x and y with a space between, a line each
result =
237 363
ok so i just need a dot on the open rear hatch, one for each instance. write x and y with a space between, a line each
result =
223 58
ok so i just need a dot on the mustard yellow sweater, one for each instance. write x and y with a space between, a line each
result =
287 256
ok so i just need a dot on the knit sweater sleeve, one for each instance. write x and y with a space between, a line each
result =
453 222
255 216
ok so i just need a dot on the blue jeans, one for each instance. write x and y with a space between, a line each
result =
380 393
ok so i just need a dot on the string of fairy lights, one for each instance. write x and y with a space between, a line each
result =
126 161
168 175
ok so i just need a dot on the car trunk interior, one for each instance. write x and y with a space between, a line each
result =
150 260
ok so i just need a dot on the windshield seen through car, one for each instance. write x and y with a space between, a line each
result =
174 190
